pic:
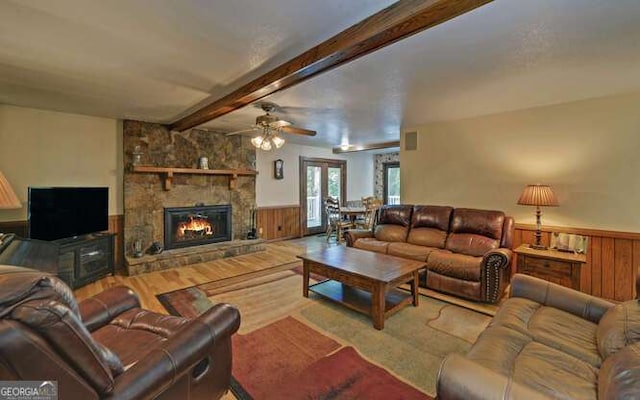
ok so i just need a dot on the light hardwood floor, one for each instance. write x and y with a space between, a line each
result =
276 254
151 284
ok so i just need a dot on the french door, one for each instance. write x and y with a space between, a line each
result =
319 178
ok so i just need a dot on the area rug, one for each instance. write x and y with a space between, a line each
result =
293 347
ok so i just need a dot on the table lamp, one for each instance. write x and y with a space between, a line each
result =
539 196
8 198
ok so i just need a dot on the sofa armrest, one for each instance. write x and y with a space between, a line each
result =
462 379
100 309
498 258
354 234
550 294
495 273
188 352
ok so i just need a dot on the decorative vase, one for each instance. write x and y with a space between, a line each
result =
203 163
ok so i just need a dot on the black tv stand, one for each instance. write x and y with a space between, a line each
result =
85 259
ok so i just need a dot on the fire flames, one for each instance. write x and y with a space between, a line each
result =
196 226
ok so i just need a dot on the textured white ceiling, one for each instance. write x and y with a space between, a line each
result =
155 59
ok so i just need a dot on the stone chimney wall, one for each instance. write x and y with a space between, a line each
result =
145 197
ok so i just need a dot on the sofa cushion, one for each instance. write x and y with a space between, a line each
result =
437 217
620 374
550 326
391 233
407 250
372 244
543 368
619 327
458 266
430 237
399 214
475 232
481 222
470 244
429 225
134 333
458 287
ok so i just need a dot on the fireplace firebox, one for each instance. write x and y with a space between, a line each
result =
194 226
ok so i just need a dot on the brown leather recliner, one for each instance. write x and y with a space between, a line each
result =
107 347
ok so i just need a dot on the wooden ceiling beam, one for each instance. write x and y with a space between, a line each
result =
398 21
364 147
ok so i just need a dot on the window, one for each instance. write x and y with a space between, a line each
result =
392 183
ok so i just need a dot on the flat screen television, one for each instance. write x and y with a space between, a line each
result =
65 212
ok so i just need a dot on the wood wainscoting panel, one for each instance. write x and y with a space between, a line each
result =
613 259
19 228
623 269
116 225
278 222
608 268
595 249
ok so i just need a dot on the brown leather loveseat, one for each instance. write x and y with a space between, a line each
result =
550 342
107 347
467 251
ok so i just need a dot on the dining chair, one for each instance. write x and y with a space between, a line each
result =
360 220
335 222
371 207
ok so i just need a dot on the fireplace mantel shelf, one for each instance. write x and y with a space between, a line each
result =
168 172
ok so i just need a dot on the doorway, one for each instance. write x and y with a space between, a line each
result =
392 183
319 178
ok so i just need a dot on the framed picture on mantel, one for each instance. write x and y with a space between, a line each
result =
278 166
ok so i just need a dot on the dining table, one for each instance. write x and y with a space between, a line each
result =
352 213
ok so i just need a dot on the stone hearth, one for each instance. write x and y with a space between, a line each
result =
145 197
192 255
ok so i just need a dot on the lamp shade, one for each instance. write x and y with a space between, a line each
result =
8 198
538 195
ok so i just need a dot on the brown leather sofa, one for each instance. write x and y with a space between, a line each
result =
467 251
550 342
107 347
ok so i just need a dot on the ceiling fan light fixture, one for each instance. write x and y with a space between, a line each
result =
277 141
257 141
266 145
270 128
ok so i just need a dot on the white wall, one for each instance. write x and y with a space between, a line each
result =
272 192
588 151
46 148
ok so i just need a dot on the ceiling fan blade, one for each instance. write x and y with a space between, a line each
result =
298 131
279 124
241 131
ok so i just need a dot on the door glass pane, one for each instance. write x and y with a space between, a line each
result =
314 196
393 182
334 175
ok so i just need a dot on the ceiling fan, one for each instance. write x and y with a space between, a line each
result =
270 127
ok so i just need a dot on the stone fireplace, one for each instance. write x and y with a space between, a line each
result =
147 194
194 226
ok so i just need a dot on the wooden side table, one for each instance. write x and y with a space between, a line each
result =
551 265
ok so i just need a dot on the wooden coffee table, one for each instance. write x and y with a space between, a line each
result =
362 280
